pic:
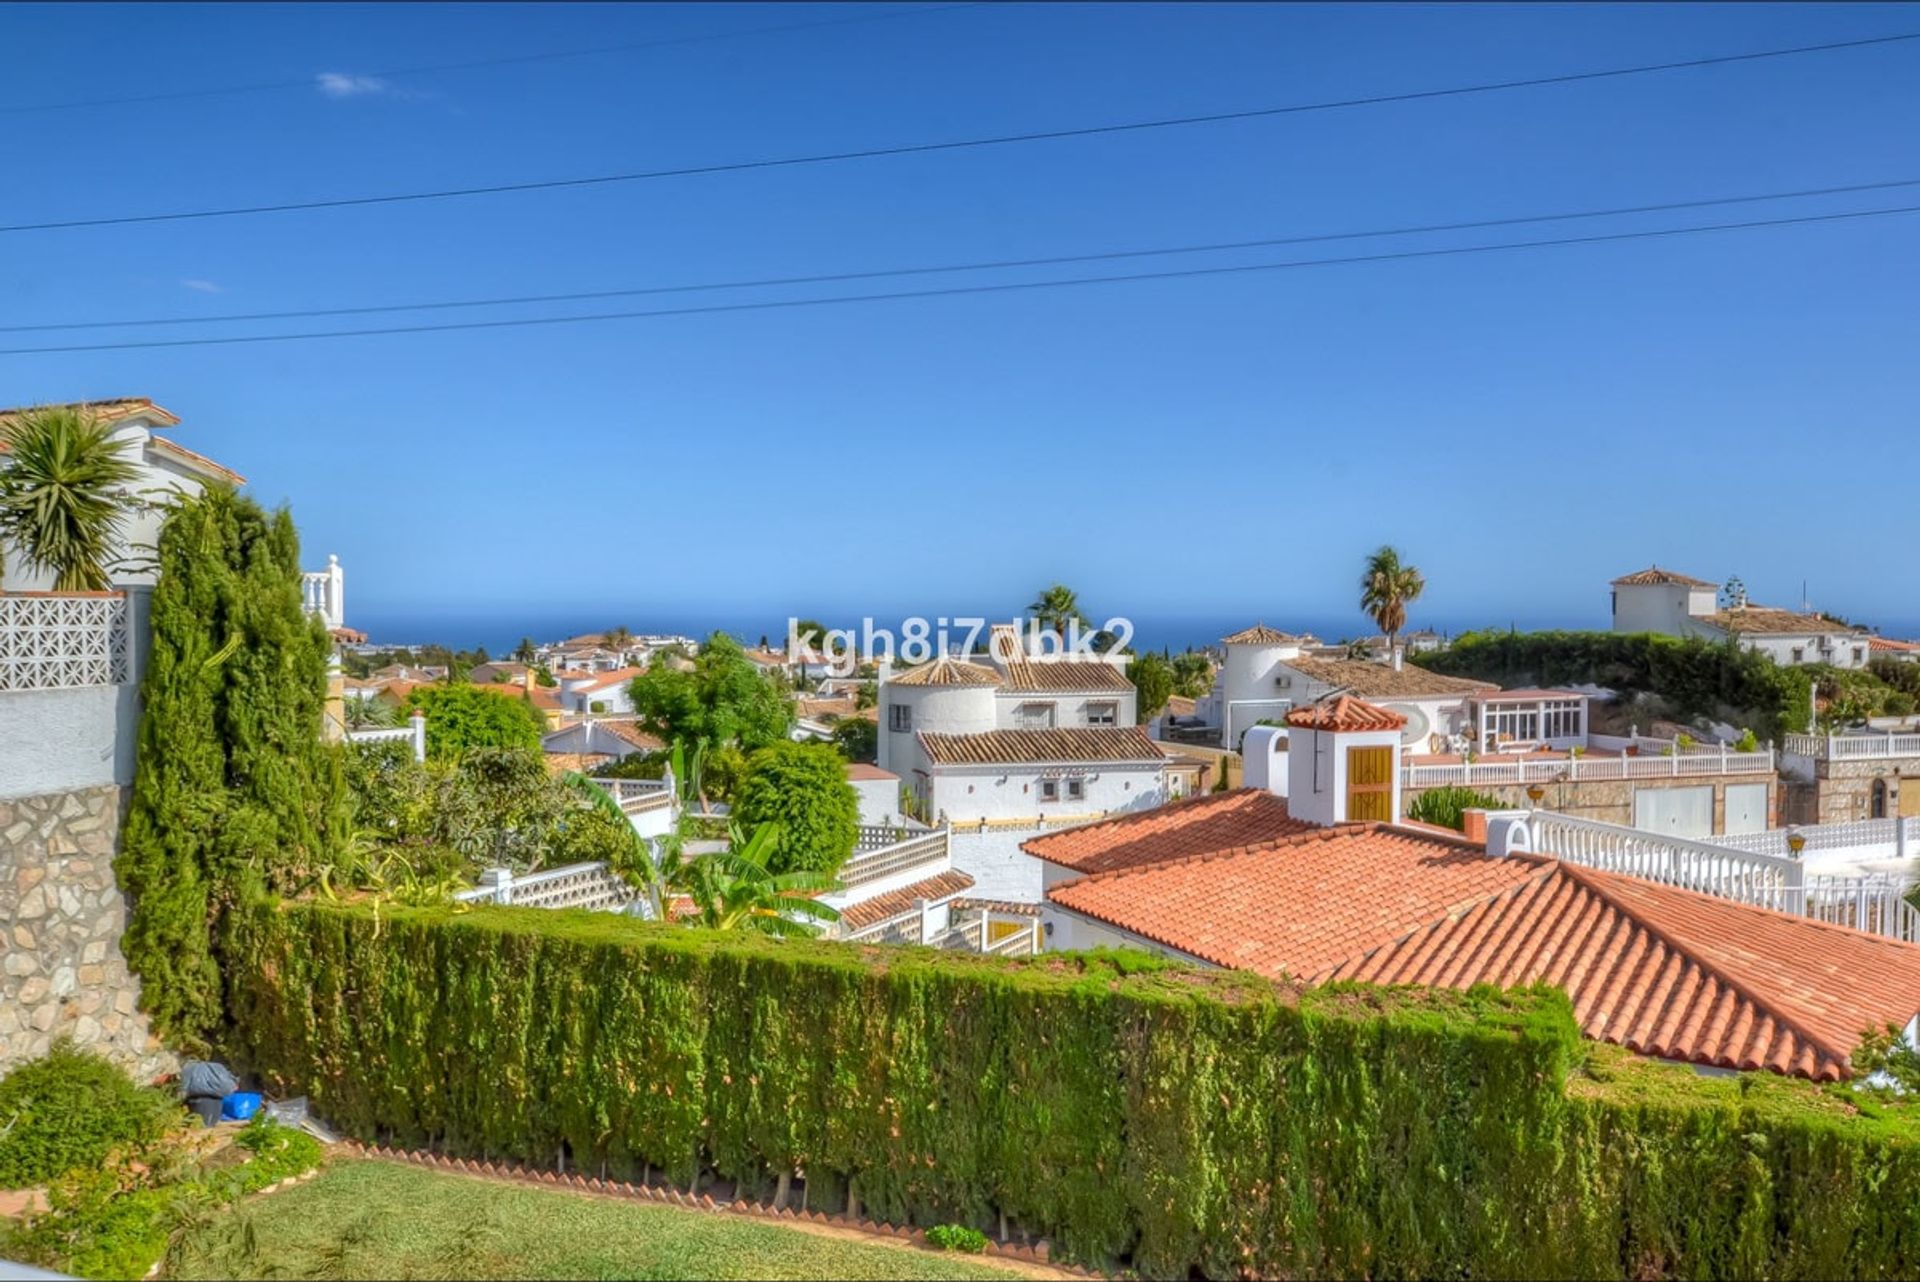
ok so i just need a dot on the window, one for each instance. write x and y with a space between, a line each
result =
1076 790
1049 790
1102 714
1560 719
1033 716
899 716
1859 655
1877 804
1799 654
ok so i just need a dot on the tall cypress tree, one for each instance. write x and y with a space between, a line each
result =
235 791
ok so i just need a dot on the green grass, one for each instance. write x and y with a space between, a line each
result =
369 1219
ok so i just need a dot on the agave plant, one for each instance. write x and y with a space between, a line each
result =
63 495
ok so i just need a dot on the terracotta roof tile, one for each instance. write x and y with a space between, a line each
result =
866 770
1066 674
1382 681
632 733
1259 634
196 462
1765 618
1653 574
1345 713
1197 826
1040 747
892 903
945 671
111 410
1888 645
1660 970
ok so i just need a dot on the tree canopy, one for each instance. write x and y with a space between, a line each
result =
1152 678
461 718
802 788
1387 587
1192 674
1057 608
723 700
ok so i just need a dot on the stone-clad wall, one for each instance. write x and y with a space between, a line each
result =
61 916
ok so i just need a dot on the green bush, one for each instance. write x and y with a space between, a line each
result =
803 788
1699 678
461 718
70 1109
1133 1111
1443 806
116 1222
957 1237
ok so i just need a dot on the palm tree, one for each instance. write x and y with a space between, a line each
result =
370 714
737 891
526 652
1386 588
1057 609
618 638
62 495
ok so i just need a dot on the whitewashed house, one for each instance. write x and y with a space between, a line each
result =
597 693
1678 605
1027 738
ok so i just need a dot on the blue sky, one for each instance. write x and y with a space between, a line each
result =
1523 426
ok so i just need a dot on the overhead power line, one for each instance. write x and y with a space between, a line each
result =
508 60
991 265
959 290
928 148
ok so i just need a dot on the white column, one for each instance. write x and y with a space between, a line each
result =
419 726
336 613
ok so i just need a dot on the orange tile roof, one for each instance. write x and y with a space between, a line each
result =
612 677
894 902
866 770
1041 747
632 733
545 698
1653 574
1066 674
1258 634
197 462
1345 713
1891 646
946 671
110 410
1765 618
1196 826
1372 680
1660 970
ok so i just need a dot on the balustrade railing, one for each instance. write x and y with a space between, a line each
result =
1769 881
1576 769
637 795
1864 838
593 886
872 864
1853 746
64 640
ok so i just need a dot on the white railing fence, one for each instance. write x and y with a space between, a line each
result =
1863 839
1876 903
64 641
638 795
414 733
1770 881
593 886
871 863
324 593
1466 774
1853 746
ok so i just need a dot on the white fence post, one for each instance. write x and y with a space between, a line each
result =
419 724
500 882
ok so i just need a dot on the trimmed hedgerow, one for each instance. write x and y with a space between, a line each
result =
1130 1109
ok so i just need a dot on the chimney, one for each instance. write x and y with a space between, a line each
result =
1343 762
1473 824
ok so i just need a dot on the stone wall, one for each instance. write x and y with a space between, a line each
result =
1843 790
1611 800
61 917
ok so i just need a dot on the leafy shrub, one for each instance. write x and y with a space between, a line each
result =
70 1109
116 1221
1747 742
461 718
957 1237
1443 806
803 788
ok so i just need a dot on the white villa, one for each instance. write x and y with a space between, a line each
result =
1678 605
1025 738
599 693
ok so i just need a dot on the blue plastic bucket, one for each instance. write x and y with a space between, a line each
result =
240 1106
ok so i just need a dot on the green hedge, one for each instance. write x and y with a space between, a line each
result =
1131 1110
1700 678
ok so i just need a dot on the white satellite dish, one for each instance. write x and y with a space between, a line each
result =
1418 725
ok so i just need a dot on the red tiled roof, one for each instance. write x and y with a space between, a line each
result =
1196 826
614 677
1258 634
111 410
1660 970
863 770
1653 574
542 697
1041 747
1766 618
1067 674
946 671
1890 646
894 902
1345 713
197 462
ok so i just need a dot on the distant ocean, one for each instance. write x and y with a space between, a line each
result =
500 633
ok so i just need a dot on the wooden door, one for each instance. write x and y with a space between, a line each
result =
1909 796
1370 785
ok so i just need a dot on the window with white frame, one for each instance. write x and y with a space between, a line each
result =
1037 715
1513 721
1560 719
1076 789
1103 714
899 716
1049 790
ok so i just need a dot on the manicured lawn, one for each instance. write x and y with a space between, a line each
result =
369 1219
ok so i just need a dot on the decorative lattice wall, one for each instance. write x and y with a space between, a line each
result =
60 642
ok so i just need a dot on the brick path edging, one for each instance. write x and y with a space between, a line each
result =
519 1173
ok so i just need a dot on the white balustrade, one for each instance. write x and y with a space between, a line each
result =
1853 746
324 593
1770 881
1666 765
594 886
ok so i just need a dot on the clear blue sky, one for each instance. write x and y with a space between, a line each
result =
1523 426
